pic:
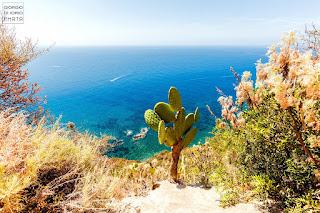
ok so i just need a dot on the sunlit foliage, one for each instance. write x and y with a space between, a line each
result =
16 92
276 118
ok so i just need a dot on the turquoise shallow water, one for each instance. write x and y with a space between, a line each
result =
77 83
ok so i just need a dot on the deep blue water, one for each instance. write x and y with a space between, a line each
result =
77 83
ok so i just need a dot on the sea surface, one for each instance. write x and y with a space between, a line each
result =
106 90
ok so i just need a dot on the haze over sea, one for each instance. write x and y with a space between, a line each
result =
107 89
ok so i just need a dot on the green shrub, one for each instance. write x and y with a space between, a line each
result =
271 133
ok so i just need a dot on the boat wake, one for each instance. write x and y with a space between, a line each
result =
226 76
117 78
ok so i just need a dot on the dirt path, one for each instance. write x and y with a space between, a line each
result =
169 198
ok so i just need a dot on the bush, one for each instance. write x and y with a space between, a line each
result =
276 122
16 92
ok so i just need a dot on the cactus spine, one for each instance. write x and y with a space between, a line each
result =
179 135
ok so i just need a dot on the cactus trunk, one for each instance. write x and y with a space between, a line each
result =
176 150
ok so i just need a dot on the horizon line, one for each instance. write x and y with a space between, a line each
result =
158 45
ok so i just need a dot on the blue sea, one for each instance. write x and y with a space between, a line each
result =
106 90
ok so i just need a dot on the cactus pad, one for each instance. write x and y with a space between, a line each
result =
179 123
189 137
189 122
165 112
170 139
161 132
196 115
175 99
152 119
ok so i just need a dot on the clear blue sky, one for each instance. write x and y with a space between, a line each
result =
164 22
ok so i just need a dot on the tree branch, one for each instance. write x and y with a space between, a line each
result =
298 133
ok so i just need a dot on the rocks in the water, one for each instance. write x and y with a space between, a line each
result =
144 130
142 134
114 143
138 136
128 132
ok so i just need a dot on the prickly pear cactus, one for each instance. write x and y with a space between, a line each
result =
161 132
165 112
180 134
180 122
196 115
189 122
189 137
175 99
152 119
170 139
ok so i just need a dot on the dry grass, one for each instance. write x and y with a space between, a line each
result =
41 165
50 167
